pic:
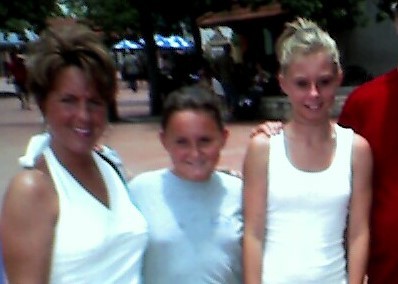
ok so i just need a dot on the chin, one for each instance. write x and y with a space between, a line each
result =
82 149
199 177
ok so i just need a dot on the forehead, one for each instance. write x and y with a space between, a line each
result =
190 121
313 63
72 79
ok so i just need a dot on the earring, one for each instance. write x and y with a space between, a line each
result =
45 125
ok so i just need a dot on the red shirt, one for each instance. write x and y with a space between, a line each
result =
372 111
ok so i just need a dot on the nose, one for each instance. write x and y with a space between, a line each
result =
83 111
194 150
314 92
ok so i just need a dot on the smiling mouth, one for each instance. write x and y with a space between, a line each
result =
313 106
82 131
196 164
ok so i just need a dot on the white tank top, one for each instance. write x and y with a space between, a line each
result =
306 217
94 243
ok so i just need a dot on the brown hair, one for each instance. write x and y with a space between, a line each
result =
64 46
194 98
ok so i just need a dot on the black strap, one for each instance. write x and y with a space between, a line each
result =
113 165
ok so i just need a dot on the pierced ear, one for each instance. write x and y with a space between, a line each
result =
340 76
225 136
162 138
281 80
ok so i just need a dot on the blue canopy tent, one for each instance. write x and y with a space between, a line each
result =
179 42
127 44
31 35
11 40
172 42
162 41
3 40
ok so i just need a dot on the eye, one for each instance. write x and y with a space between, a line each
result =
97 102
68 99
325 82
205 140
302 83
181 141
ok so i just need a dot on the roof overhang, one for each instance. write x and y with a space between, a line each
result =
238 13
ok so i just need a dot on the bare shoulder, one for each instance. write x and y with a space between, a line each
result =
260 140
361 145
31 189
257 151
29 183
362 152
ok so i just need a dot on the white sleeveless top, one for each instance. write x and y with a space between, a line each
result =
93 243
306 217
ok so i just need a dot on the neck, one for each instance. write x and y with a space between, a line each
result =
73 160
310 133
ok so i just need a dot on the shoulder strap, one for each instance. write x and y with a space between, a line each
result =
113 165
230 172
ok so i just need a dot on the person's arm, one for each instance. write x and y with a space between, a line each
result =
254 206
358 222
27 222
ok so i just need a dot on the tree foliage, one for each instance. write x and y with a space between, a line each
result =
334 15
120 16
114 18
15 15
385 9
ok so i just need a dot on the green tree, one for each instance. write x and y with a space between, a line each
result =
17 15
334 15
116 18
73 8
385 9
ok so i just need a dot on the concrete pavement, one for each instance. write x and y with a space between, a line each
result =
136 141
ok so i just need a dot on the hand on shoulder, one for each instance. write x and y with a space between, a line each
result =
268 128
231 172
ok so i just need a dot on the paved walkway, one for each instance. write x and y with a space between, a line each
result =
137 141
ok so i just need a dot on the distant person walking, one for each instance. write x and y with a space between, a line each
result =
131 69
225 71
17 70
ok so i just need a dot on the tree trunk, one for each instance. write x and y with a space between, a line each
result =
113 115
197 38
146 24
